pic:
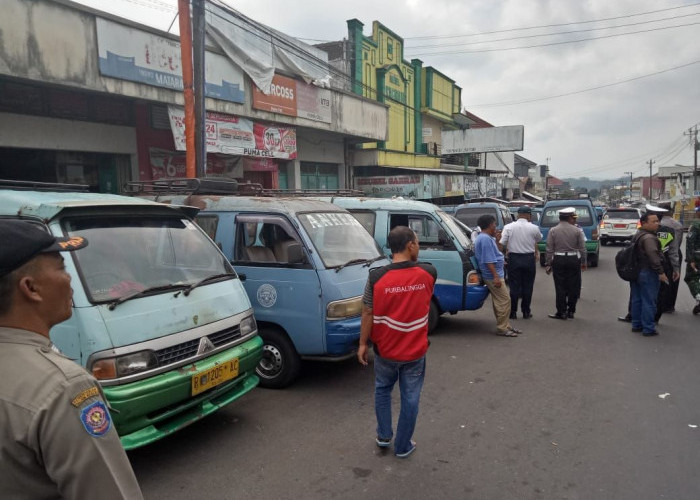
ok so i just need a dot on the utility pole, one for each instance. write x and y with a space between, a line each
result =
693 134
630 174
546 181
198 51
183 8
651 162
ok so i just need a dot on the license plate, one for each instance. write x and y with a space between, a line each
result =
620 226
222 372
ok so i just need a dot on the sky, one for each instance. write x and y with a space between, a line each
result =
600 107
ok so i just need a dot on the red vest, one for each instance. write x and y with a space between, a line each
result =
401 305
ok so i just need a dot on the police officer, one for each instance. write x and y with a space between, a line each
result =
566 258
520 239
56 439
670 235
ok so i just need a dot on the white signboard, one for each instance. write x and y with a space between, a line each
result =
130 54
483 140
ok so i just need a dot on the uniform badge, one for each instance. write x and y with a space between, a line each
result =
95 419
86 394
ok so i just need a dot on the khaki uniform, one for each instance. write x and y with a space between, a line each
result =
57 439
566 252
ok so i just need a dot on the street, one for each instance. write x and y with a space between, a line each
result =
581 409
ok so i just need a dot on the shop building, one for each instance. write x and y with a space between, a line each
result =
90 98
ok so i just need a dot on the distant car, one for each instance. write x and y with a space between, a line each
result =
619 224
469 213
587 221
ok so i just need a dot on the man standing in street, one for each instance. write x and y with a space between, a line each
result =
645 289
396 307
670 234
520 238
692 257
491 261
57 439
566 258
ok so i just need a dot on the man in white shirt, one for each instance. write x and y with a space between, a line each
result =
520 239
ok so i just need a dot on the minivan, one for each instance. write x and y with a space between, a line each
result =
469 213
587 220
304 265
160 318
459 286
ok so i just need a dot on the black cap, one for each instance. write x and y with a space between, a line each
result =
524 210
22 241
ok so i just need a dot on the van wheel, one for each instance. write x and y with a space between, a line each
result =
593 261
433 317
280 363
543 259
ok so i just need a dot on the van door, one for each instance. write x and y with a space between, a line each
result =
438 249
282 285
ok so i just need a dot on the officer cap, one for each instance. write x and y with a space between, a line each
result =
658 210
524 210
22 241
567 212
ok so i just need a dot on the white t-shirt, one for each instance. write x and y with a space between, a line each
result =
521 236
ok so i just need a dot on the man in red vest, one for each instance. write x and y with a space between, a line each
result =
396 306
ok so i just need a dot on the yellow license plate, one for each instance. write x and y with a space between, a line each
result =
222 372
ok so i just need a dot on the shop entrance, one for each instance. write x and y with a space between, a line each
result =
103 173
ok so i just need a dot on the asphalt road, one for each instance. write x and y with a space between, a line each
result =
582 409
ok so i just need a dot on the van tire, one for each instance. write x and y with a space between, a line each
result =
543 259
280 364
433 317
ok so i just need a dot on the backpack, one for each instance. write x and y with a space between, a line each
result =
627 263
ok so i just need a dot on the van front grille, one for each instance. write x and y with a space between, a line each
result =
188 349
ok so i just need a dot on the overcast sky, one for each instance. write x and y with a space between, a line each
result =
599 133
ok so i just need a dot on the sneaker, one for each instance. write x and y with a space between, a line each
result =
410 450
383 442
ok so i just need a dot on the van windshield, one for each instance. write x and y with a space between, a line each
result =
339 238
550 216
130 254
469 215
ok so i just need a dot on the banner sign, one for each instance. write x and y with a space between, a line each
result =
171 164
130 54
483 140
294 98
414 186
233 135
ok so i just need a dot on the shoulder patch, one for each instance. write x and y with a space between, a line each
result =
96 419
87 393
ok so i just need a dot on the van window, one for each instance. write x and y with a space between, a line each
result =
469 215
550 216
128 254
338 238
425 227
266 239
208 223
367 219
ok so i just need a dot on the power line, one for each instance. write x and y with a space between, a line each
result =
525 101
540 35
615 35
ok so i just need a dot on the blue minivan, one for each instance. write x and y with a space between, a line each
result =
304 264
587 220
459 286
469 213
160 318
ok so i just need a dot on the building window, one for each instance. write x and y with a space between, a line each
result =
319 175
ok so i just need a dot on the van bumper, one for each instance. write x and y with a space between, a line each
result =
343 336
476 295
150 409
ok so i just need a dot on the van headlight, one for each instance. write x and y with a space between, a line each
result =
248 325
121 366
341 309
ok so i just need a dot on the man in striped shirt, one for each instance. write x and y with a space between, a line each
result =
396 307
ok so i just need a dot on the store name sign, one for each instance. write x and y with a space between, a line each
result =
294 98
130 54
233 135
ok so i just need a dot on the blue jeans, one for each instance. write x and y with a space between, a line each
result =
410 375
644 293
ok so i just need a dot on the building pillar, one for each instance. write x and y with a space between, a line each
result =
417 117
356 62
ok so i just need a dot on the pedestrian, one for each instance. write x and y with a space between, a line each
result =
692 258
520 239
670 234
396 307
56 439
491 260
645 288
566 259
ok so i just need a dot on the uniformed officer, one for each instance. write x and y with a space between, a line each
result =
566 258
56 439
692 257
670 235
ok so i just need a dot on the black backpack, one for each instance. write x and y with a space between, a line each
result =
627 264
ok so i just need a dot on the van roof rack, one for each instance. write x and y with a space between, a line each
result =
43 186
222 186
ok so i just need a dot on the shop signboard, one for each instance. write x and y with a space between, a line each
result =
294 98
482 140
416 186
131 54
233 135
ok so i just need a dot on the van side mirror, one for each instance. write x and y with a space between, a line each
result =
296 254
